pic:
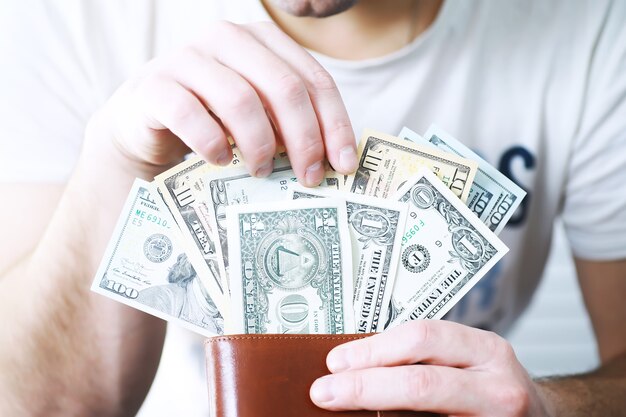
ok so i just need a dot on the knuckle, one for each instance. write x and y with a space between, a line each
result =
152 82
321 80
174 58
491 341
266 150
358 387
420 334
190 54
213 145
182 108
291 88
507 351
365 354
241 100
339 127
310 146
499 347
514 400
264 26
259 154
418 382
223 29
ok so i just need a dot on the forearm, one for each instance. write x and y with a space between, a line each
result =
63 349
598 393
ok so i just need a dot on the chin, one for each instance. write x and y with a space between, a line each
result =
314 8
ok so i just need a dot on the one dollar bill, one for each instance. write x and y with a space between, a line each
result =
385 162
446 249
290 268
145 266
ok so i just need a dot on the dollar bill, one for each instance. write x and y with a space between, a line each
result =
145 266
492 197
288 262
234 185
446 249
183 190
376 227
385 162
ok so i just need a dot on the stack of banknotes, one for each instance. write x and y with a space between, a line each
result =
403 238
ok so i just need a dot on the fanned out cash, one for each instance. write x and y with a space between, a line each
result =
403 238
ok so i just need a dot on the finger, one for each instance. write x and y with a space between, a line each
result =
430 388
237 105
285 97
331 112
168 104
421 341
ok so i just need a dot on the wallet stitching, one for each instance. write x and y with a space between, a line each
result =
216 339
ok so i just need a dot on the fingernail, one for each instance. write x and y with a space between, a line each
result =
322 390
223 159
347 159
314 174
265 170
337 360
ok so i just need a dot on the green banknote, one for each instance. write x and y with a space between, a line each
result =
446 249
290 268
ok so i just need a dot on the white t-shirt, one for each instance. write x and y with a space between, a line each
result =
537 87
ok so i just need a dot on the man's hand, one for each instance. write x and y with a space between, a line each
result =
249 81
435 366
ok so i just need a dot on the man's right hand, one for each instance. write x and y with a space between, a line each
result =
249 81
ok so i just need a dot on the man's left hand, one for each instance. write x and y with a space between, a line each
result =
436 366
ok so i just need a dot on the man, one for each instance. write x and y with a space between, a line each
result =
538 88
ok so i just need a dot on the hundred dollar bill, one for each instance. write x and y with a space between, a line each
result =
493 197
385 162
145 266
376 227
183 190
446 249
234 185
290 268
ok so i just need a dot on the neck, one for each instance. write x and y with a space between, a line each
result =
370 29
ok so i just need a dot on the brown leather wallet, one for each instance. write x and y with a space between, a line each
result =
270 375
